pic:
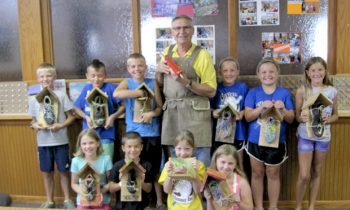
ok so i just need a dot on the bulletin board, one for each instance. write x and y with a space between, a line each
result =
314 38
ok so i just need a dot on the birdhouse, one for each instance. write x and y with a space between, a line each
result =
98 106
49 105
182 168
131 189
226 124
89 183
270 127
222 195
143 104
315 105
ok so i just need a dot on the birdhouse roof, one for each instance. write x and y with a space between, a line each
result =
86 170
317 98
272 112
213 174
228 107
94 92
145 87
131 164
46 92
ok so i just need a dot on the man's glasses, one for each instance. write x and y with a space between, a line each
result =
178 28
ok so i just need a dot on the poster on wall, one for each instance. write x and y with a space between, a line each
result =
297 7
204 36
259 12
171 8
283 47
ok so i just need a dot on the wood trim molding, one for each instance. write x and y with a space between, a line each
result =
35 29
332 34
232 28
45 8
30 37
136 26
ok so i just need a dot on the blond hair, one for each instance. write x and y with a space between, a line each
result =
46 68
267 60
90 132
227 149
186 136
222 61
136 56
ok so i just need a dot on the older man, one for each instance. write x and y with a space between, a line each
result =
187 94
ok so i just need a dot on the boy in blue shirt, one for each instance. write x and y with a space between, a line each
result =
53 141
149 125
96 75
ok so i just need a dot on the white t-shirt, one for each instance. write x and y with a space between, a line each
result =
49 137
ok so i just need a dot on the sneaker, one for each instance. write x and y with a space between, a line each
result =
317 122
99 114
49 116
68 204
270 130
131 183
48 205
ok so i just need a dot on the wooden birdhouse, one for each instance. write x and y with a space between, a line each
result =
49 104
222 195
226 124
183 168
143 104
89 183
315 105
98 106
270 127
131 189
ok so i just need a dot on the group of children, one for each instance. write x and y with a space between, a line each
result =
142 144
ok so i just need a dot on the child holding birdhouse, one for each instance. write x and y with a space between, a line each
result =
229 124
225 160
183 193
143 104
267 109
50 118
101 110
90 169
132 177
314 129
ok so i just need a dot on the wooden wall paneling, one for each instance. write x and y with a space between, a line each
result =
342 37
21 176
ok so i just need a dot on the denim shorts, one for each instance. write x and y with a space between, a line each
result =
306 145
51 154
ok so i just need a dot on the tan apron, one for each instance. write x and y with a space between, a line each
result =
183 109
